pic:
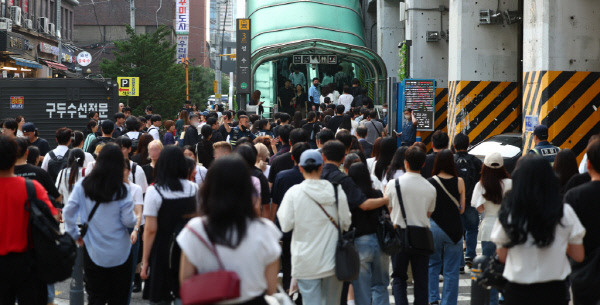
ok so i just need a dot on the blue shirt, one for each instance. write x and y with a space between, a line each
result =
409 132
284 181
546 150
107 239
316 95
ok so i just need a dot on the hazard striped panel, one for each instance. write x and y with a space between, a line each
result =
441 115
565 101
482 109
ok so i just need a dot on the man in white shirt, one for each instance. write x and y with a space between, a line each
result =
418 197
156 121
346 99
63 138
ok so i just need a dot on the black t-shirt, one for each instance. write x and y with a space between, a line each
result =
92 148
365 222
223 131
137 158
427 170
280 163
584 200
37 173
42 145
286 96
335 122
149 172
577 180
265 195
446 213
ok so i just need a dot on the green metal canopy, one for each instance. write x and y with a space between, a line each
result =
281 28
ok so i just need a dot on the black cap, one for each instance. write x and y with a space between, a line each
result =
541 131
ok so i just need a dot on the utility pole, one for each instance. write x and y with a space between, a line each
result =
132 14
59 29
218 48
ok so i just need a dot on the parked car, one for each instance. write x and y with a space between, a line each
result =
509 145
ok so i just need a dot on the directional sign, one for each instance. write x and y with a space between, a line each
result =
243 55
419 95
129 86
315 59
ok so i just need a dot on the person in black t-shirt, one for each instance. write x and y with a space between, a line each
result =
108 127
335 122
439 141
285 96
22 169
31 133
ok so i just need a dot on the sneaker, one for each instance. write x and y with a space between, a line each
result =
469 262
441 278
462 270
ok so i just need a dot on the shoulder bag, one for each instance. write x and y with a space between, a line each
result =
210 287
347 260
415 239
437 179
390 240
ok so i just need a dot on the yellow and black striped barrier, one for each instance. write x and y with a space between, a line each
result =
441 115
482 109
565 101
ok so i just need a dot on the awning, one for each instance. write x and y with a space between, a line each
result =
55 65
26 63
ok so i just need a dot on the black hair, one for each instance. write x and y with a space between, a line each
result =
461 141
355 81
285 117
92 114
444 162
491 181
363 91
345 137
248 153
415 157
142 120
211 121
8 152
339 109
74 163
334 150
107 127
350 159
298 149
34 154
325 135
132 124
440 139
593 153
126 109
314 79
346 122
119 115
533 206
359 172
105 183
362 131
77 138
297 119
360 154
565 166
191 148
386 154
124 142
227 212
298 135
63 135
206 131
346 89
11 124
22 144
190 165
149 108
155 118
171 167
311 116
261 124
397 162
90 125
240 113
284 133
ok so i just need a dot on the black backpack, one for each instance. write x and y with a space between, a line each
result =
53 253
134 142
56 164
468 169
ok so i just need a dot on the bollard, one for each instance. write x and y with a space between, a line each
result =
76 294
479 294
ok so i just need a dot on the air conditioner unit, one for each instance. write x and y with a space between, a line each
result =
52 29
15 15
6 24
28 24
43 26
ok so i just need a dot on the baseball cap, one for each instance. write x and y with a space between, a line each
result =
28 127
494 160
311 157
541 131
204 113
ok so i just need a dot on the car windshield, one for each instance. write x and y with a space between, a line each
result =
493 145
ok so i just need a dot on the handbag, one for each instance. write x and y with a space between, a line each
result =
437 179
210 287
347 260
415 239
388 236
490 276
279 298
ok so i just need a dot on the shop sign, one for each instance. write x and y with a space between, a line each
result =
182 17
84 58
13 43
16 102
48 48
76 110
182 47
68 58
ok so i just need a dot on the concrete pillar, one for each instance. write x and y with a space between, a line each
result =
561 68
429 60
483 68
390 32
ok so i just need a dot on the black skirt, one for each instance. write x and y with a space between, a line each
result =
548 293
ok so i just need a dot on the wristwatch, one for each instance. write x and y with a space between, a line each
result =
137 229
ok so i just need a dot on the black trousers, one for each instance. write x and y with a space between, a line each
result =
18 281
548 293
420 269
106 285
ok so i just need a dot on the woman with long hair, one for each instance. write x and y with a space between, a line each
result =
396 167
90 133
78 139
255 100
298 120
300 99
249 154
70 175
374 155
168 206
386 154
487 196
140 156
155 148
533 233
107 268
447 229
565 166
347 124
262 158
200 171
244 242
204 148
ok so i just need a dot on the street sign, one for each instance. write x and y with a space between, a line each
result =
530 122
243 55
419 95
129 86
182 17
84 58
315 59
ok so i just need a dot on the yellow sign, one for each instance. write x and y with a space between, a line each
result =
217 96
215 87
244 25
129 86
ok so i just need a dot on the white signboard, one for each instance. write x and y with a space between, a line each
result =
76 110
182 17
182 47
84 58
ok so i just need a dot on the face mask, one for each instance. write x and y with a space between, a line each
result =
384 110
407 117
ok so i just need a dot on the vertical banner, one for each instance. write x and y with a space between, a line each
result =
182 47
182 17
243 56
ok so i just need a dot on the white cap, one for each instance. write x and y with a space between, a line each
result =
494 160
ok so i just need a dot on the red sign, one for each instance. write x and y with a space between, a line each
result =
16 102
25 6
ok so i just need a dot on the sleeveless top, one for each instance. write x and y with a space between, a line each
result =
447 214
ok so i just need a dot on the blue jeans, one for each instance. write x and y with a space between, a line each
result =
373 280
448 254
470 221
418 264
51 293
325 291
489 248
135 248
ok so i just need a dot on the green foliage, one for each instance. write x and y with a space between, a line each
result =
202 85
403 63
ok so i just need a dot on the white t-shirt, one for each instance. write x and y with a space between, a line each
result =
62 182
259 249
491 209
346 100
153 131
200 174
153 201
59 151
138 197
88 159
418 196
397 174
528 264
140 176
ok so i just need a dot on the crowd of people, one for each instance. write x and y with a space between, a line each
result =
271 195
